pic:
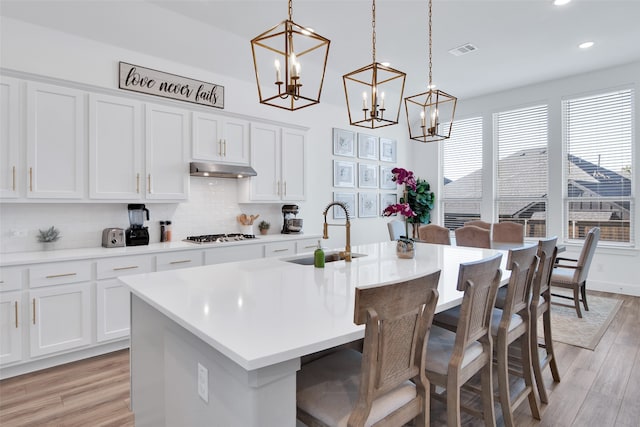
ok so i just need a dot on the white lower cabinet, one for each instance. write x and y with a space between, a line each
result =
10 326
233 253
306 245
279 249
177 260
60 318
112 310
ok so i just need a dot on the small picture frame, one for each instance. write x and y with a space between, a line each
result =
388 148
387 199
368 205
344 174
367 175
349 199
367 146
344 143
386 178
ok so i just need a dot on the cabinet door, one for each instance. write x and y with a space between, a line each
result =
10 327
265 159
59 318
293 166
235 142
306 245
279 249
55 142
166 161
207 137
9 137
115 148
112 310
233 253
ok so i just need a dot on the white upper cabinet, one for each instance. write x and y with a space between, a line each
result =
115 148
55 142
278 156
221 139
10 169
167 166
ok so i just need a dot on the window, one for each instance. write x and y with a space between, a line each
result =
522 168
462 171
597 136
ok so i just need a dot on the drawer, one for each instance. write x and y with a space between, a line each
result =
232 253
59 273
10 278
279 249
122 266
306 245
175 260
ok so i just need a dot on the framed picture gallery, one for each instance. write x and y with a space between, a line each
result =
367 205
344 174
367 175
388 148
367 146
349 199
344 143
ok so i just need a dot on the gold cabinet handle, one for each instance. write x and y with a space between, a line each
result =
280 250
278 188
149 188
220 147
16 306
13 179
224 142
54 276
31 179
131 267
310 246
285 188
138 183
33 303
180 262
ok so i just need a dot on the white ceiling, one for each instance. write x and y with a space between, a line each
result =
519 42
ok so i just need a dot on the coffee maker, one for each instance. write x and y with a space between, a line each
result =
291 224
137 234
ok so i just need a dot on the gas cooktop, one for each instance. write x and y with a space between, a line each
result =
219 238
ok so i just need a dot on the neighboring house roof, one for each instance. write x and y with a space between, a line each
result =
585 179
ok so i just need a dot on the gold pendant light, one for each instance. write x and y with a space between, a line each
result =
374 93
287 61
426 112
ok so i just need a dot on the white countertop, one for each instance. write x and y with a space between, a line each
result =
19 258
266 311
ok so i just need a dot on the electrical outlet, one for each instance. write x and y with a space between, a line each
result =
203 383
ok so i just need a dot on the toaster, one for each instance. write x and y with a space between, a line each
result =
113 237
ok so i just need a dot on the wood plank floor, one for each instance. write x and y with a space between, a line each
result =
598 388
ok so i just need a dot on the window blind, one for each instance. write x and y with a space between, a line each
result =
522 167
598 139
462 172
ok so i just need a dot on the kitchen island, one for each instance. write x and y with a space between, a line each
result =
221 344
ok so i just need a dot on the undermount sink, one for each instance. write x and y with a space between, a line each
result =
328 257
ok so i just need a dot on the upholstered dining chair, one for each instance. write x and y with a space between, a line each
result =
385 385
509 324
396 229
471 235
433 233
508 232
540 306
572 274
479 223
454 357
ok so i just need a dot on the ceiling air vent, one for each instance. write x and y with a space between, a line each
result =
463 49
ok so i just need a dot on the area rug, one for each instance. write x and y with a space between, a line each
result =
566 327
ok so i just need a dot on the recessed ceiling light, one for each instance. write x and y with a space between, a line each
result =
585 45
560 2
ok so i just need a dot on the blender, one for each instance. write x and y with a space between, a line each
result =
137 234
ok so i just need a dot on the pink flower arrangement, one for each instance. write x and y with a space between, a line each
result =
402 176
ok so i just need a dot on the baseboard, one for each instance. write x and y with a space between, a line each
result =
21 368
616 288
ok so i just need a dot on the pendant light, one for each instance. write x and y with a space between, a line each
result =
374 93
430 114
290 62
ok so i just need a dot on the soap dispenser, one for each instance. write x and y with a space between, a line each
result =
318 257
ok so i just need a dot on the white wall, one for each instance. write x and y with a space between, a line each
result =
212 206
615 270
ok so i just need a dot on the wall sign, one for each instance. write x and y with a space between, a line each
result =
166 85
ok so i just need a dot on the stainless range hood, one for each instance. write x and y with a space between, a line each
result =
219 170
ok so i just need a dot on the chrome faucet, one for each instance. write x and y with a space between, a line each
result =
346 254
